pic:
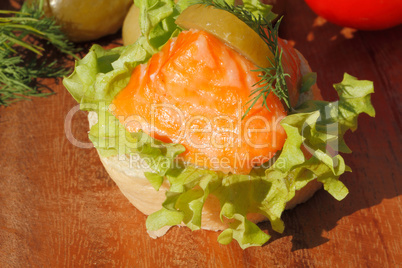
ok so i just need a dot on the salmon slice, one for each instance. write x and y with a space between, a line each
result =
194 92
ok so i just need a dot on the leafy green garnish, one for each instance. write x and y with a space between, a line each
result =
17 74
157 19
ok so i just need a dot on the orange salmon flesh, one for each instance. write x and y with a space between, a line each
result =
194 92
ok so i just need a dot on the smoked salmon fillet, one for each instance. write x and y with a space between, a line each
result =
194 92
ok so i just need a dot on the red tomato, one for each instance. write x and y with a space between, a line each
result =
360 14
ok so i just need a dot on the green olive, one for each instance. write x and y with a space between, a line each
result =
131 26
84 20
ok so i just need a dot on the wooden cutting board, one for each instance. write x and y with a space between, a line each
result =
59 208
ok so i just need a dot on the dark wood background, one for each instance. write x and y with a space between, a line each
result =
59 208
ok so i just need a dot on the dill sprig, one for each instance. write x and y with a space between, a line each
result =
22 31
272 78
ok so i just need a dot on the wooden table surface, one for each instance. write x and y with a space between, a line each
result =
59 208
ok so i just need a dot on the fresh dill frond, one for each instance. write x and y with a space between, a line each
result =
22 31
18 80
272 78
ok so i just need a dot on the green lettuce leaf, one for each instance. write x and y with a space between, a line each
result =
157 21
317 127
259 9
101 74
111 138
183 4
189 188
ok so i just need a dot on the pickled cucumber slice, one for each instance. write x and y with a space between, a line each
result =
228 28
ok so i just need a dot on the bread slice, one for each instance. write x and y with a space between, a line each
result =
133 184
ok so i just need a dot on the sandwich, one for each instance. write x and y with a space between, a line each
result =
209 120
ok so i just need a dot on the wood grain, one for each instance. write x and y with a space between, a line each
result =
59 208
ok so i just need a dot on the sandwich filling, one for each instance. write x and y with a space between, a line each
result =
194 92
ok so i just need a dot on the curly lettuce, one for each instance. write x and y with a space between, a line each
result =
314 131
